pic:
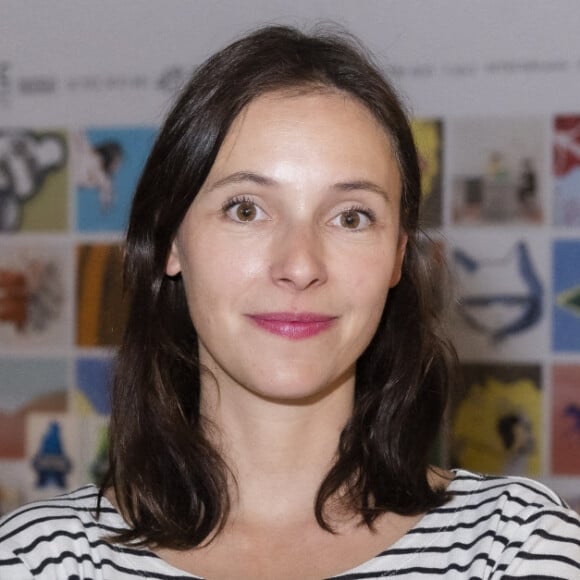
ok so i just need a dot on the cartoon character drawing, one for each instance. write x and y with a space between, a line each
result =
516 433
26 159
506 189
496 426
499 297
95 167
51 463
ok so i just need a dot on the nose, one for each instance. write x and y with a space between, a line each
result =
298 258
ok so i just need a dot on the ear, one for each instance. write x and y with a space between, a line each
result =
399 258
173 265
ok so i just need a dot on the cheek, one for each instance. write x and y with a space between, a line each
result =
218 270
369 280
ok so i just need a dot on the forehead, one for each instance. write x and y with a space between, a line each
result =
321 124
298 103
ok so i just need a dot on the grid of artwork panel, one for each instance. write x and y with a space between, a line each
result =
507 197
501 198
64 202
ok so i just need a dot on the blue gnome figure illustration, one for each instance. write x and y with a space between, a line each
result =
51 463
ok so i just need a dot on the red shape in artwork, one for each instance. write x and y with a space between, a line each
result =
566 144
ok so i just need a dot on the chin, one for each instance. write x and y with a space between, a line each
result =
302 390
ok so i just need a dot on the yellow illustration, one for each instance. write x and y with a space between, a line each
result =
426 135
497 428
80 403
101 311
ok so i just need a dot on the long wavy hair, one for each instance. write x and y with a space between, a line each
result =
170 482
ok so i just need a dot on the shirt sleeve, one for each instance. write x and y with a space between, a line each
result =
548 546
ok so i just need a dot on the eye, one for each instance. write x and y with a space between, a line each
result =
243 210
354 219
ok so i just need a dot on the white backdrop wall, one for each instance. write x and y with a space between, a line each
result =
494 89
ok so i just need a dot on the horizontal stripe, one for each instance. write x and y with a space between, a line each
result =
492 528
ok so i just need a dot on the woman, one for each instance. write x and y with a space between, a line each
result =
282 379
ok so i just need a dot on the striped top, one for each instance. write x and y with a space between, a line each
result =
493 527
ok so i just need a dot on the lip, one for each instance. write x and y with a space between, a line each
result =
293 325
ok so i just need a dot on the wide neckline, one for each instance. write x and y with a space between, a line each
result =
165 566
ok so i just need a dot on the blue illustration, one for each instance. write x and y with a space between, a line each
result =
106 169
521 300
567 199
566 308
51 463
93 378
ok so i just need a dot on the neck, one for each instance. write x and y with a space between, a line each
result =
278 451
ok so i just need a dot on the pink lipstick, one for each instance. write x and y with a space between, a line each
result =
293 325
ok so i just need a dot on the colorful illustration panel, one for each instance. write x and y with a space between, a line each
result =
28 386
101 311
35 297
567 171
497 426
496 171
33 181
428 136
107 165
566 285
63 451
566 419
500 287
93 377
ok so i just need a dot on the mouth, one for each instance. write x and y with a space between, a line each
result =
293 325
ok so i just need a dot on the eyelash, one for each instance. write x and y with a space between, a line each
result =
235 201
366 211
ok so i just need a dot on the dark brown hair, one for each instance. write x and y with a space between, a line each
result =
170 482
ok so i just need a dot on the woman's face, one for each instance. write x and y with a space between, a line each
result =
289 249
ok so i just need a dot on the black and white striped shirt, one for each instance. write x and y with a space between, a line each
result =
493 527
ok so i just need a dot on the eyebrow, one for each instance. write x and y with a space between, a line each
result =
256 178
240 177
362 185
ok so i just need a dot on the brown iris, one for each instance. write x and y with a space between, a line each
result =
246 211
350 219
